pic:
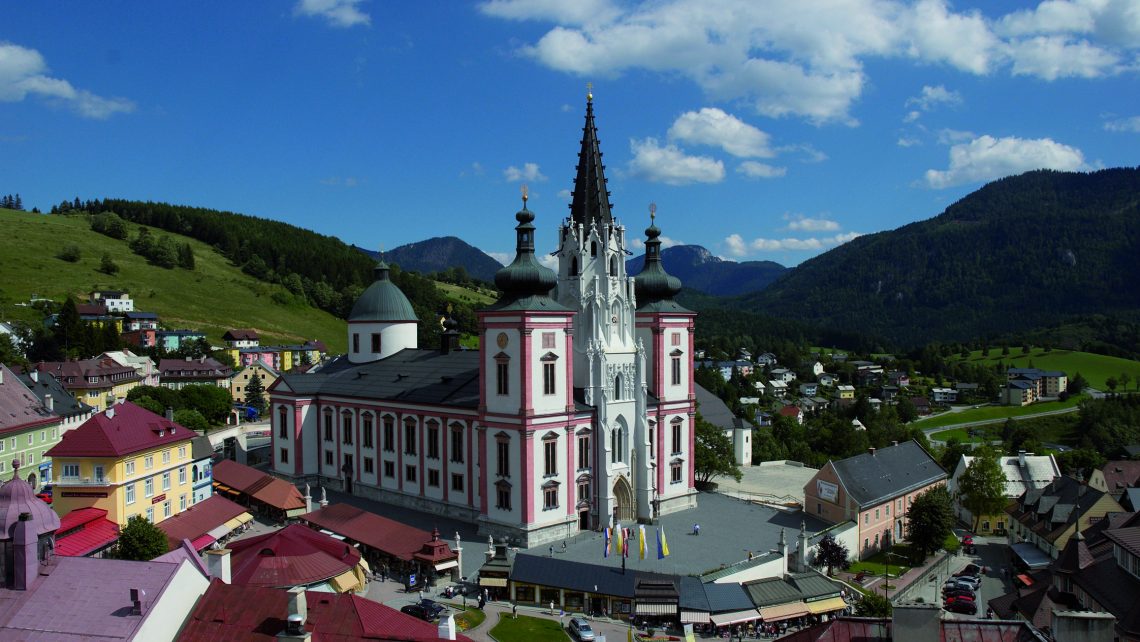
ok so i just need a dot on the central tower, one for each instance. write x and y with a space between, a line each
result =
609 361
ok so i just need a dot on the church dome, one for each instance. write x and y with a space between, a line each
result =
382 301
525 279
16 497
654 283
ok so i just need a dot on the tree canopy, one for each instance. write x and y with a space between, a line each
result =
830 553
140 540
929 520
981 488
713 457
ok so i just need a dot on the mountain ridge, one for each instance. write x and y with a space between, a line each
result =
441 253
701 270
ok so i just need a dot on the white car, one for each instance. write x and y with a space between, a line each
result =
581 630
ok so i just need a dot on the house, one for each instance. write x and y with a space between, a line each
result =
140 321
1115 477
201 525
874 489
782 374
174 340
794 412
943 395
94 382
114 300
241 338
1023 472
809 389
1046 383
815 367
125 460
888 393
845 392
201 471
828 380
776 388
1047 518
281 358
268 495
28 429
296 556
179 373
144 366
51 393
98 315
766 360
898 378
85 532
560 433
866 378
239 381
738 431
59 597
1018 392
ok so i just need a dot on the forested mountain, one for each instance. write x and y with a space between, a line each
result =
1020 253
700 270
439 254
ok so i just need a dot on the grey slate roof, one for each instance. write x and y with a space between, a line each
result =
410 375
891 471
64 403
714 411
727 597
578 576
692 591
793 587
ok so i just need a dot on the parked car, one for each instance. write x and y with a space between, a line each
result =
968 608
958 598
973 580
581 630
432 607
970 569
955 592
417 611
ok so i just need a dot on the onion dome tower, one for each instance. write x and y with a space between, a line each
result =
525 283
382 321
654 287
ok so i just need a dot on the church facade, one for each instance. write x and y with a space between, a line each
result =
576 412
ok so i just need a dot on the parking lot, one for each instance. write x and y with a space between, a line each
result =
991 553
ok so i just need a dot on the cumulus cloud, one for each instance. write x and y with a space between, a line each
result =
546 259
736 246
1052 57
666 241
715 128
806 224
23 73
670 165
930 97
951 136
756 169
565 194
341 181
502 257
529 172
337 13
908 142
576 12
987 158
1124 125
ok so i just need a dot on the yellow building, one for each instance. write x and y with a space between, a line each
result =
125 460
240 381
93 381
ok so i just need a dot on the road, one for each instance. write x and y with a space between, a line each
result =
1000 420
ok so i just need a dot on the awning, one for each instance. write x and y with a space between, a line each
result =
1025 579
363 564
655 609
734 617
344 582
295 512
694 617
244 518
202 541
783 611
218 532
492 581
235 523
1032 557
332 534
443 566
826 606
223 487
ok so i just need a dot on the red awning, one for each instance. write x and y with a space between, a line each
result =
202 541
93 536
1025 579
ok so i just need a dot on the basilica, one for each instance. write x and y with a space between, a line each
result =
576 412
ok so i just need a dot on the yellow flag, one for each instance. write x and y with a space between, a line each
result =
641 541
618 540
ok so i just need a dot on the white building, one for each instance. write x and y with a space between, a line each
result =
114 300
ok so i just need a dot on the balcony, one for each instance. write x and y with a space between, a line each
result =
83 481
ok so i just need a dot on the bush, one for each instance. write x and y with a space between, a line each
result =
70 253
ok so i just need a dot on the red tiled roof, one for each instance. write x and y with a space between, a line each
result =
74 374
383 534
235 613
132 429
790 411
90 530
293 556
199 519
203 367
263 487
92 309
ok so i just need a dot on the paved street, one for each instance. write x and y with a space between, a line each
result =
991 553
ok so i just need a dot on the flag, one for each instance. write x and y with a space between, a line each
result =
628 534
617 541
662 545
607 549
641 542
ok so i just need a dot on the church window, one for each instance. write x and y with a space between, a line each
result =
433 478
282 423
346 428
356 342
548 379
617 445
675 472
503 457
389 435
550 496
284 457
583 452
375 342
457 482
550 456
676 371
574 266
503 496
433 441
617 388
328 458
409 437
410 473
366 431
652 440
328 425
502 377
676 436
584 491
457 443
593 248
676 338
613 266
548 340
368 465
390 469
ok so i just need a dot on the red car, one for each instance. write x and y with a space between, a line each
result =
950 599
968 540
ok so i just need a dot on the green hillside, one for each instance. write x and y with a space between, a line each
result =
1095 368
213 297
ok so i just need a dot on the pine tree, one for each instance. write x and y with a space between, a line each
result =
69 328
185 256
18 204
255 393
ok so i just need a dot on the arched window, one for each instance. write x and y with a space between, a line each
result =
617 388
194 473
613 266
593 248
617 445
573 266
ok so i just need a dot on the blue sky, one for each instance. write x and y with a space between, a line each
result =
762 130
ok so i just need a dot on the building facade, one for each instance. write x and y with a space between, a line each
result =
577 410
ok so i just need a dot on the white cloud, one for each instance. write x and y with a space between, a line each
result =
935 34
639 244
341 181
529 172
1052 57
951 136
547 259
565 194
715 128
908 142
803 223
912 116
502 257
755 169
931 97
987 158
1050 16
23 73
1124 125
810 154
738 247
338 13
670 165
575 12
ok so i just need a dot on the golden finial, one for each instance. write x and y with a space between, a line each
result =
652 212
525 195
589 91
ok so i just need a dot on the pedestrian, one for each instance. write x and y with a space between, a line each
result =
515 610
697 529
552 551
421 596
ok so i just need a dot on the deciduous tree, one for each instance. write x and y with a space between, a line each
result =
831 554
713 457
929 520
140 540
981 488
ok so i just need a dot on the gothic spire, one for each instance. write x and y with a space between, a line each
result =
591 202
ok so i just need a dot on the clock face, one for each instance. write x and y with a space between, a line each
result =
613 319
502 340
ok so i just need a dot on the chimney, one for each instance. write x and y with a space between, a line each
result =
25 552
136 601
894 442
1 375
110 411
1021 458
298 615
871 450
218 564
35 375
446 630
449 338
49 403
169 413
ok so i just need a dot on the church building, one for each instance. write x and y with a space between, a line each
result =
576 412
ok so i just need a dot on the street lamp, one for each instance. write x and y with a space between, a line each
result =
886 570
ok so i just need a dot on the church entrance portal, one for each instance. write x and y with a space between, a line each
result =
624 510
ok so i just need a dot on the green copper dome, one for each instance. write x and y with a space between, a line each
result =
654 284
525 283
382 301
